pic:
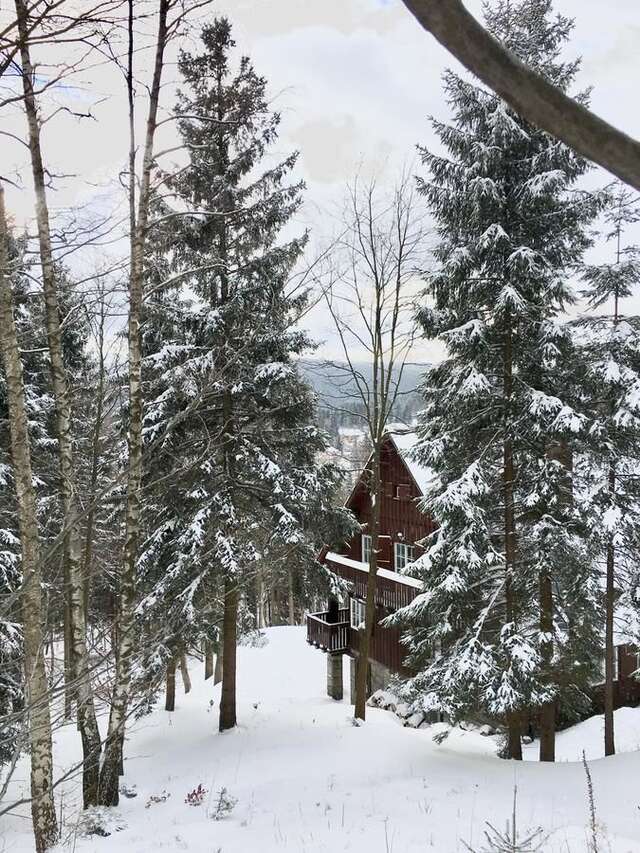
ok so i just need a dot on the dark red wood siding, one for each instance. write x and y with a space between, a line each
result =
400 518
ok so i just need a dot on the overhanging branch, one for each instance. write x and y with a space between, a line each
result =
533 97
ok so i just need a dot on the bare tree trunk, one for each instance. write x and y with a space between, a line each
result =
43 814
170 693
609 646
229 642
560 452
67 656
74 592
292 606
548 710
219 670
184 672
126 630
514 742
208 660
260 614
362 669
610 588
95 461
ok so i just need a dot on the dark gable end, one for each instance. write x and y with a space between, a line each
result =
400 518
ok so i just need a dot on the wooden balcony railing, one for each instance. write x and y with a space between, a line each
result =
328 636
393 590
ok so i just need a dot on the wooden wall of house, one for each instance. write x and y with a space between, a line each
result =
385 647
626 688
400 518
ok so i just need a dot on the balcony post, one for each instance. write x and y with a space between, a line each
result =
334 676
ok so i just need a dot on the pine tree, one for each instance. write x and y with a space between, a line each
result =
220 340
501 414
611 355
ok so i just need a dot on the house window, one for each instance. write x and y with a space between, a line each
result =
366 549
356 613
403 492
403 555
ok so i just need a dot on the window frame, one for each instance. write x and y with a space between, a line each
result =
356 608
369 541
408 555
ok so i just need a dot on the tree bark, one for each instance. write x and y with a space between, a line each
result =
208 660
170 693
229 639
67 657
510 548
112 763
531 95
609 646
74 591
184 672
95 461
362 669
291 600
548 710
610 589
219 670
43 813
260 600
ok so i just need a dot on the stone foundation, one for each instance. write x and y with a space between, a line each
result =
378 677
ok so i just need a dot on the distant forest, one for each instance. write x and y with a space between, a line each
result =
339 405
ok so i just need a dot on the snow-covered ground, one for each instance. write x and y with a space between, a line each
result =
305 780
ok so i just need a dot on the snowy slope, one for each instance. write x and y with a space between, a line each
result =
307 781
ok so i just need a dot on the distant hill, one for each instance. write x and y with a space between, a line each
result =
338 403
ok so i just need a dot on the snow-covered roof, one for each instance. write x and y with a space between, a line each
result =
364 567
405 440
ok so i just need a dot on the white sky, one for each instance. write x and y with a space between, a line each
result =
355 81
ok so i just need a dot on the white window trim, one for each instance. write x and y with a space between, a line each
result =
356 613
366 551
403 555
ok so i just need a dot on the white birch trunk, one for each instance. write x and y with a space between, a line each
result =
42 806
74 593
112 763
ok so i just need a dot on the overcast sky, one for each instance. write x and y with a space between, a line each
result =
355 81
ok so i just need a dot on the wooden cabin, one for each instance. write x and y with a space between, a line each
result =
402 525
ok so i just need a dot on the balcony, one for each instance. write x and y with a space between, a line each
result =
328 636
393 590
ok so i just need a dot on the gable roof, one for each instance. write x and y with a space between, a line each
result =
405 441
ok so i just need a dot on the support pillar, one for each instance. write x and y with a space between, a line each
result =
334 676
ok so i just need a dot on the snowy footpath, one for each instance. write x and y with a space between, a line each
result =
297 776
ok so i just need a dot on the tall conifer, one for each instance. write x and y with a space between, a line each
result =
225 393
501 414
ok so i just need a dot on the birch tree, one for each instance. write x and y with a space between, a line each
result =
37 695
73 573
139 215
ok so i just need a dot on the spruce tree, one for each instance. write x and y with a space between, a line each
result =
502 413
226 397
610 351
